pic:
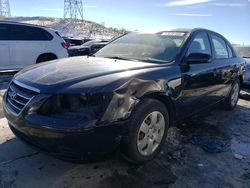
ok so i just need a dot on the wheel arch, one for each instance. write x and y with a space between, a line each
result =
167 101
46 54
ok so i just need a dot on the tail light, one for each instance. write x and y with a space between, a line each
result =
65 45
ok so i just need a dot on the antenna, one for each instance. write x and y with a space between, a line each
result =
5 8
73 9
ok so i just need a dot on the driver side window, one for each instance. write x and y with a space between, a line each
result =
200 44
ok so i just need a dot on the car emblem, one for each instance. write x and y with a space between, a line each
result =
13 96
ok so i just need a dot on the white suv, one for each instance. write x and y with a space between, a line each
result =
22 45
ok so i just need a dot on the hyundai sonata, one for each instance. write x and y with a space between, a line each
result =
127 95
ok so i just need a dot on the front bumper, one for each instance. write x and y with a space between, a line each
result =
65 139
62 53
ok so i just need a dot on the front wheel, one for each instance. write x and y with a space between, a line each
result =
232 99
149 124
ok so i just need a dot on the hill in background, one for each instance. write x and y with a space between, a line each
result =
78 29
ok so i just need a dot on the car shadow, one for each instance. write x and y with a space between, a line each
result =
18 160
20 165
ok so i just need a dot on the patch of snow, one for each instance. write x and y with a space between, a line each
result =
77 29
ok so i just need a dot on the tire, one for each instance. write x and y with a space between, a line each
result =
231 101
46 57
133 146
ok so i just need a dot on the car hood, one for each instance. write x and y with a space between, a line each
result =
65 72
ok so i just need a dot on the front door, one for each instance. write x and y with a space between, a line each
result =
199 81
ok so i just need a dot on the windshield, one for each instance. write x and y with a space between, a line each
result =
89 43
154 48
244 51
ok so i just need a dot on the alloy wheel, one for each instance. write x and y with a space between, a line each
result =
150 133
235 94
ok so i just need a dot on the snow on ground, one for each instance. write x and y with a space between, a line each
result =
79 29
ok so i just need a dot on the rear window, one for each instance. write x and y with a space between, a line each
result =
28 33
76 42
4 32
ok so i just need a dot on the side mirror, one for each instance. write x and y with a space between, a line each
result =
198 58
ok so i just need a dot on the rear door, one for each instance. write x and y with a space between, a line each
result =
26 45
4 47
224 63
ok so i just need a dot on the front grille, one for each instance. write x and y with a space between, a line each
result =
18 96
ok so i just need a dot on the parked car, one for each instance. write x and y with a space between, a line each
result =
73 41
22 45
87 48
127 95
244 51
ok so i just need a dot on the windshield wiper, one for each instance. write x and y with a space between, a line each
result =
147 60
121 58
153 60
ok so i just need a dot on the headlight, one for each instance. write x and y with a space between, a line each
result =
75 106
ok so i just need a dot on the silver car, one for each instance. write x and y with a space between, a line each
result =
244 51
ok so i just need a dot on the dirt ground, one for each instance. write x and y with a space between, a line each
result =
211 150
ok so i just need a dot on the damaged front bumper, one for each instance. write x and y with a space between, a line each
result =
72 140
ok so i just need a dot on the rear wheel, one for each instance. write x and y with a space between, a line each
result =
148 130
232 99
46 57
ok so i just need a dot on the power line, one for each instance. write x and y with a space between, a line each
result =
73 9
5 8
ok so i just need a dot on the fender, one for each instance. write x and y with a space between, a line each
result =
126 97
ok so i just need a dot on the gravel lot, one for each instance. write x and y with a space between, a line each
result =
211 150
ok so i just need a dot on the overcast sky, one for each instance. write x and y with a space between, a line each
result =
228 17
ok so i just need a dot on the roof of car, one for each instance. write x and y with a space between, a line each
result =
72 38
26 24
186 30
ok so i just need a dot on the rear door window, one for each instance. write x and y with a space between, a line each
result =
4 32
220 47
27 33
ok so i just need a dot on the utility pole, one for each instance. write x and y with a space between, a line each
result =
5 8
73 9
